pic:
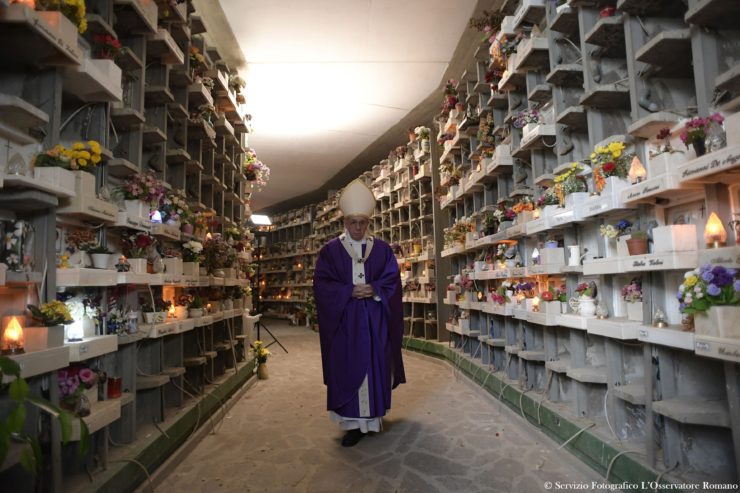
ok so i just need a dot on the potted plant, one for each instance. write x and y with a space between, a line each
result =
191 253
79 241
261 353
136 248
694 132
214 255
561 294
632 294
618 231
237 297
155 313
711 294
173 264
100 256
638 243
195 307
141 192
51 317
585 304
611 166
15 426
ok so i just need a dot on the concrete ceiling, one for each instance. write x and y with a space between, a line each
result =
332 84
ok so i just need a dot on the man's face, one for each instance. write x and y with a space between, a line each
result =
356 225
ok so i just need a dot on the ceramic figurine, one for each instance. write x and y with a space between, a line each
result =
123 265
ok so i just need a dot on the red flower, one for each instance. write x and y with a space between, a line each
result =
609 167
664 133
546 296
143 241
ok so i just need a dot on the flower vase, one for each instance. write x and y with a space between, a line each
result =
634 311
584 306
195 312
699 147
262 373
716 137
173 266
134 208
138 265
718 321
190 268
637 246
426 145
100 260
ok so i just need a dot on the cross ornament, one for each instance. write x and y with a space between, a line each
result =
360 275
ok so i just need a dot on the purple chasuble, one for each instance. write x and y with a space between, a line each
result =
359 337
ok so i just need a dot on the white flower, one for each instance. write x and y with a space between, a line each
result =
697 289
682 288
699 295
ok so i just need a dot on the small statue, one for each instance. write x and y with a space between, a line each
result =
64 261
123 265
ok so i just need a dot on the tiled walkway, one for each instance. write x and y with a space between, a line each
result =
442 435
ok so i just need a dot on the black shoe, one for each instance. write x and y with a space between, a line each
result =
351 438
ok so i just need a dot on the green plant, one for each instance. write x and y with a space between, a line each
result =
51 313
99 249
11 429
639 235
196 303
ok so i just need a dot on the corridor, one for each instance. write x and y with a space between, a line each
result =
442 435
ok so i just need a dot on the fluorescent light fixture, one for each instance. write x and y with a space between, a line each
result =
260 220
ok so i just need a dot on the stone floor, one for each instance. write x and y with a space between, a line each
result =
442 435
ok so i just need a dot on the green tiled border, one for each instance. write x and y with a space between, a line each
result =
126 476
590 449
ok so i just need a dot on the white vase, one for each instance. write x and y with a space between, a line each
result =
148 317
634 311
584 306
195 312
575 198
138 265
100 260
622 250
173 266
426 145
190 268
181 312
675 238
718 321
574 255
135 208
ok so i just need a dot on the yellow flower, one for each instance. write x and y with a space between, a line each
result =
68 153
84 155
616 154
95 159
78 146
690 281
82 162
593 156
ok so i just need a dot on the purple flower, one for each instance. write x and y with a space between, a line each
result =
722 278
713 290
681 306
707 276
736 285
679 295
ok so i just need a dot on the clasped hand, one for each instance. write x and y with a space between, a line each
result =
363 291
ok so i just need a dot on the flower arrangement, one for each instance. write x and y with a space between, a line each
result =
74 10
106 46
501 250
255 170
205 112
632 292
422 132
81 156
609 161
586 290
621 228
526 117
174 207
215 253
665 135
137 245
159 305
196 57
191 251
261 353
450 98
524 288
570 182
708 286
489 22
145 187
695 130
503 212
236 83
485 131
72 382
547 198
51 313
523 205
81 239
561 294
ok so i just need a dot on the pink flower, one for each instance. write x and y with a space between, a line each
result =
87 376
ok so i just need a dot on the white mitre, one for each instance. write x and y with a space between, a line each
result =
357 200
